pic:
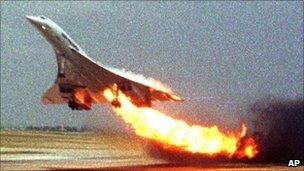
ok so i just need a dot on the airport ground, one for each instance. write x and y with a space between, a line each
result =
40 150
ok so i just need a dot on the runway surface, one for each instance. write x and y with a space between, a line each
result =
25 150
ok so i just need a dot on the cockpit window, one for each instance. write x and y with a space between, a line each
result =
70 41
42 17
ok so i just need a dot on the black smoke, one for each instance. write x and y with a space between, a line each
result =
279 129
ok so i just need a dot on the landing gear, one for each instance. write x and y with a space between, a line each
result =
61 75
73 105
115 101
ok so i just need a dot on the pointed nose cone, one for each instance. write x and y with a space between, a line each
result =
32 19
29 17
35 21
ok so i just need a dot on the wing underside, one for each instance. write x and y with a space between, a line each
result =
80 72
53 96
67 75
104 77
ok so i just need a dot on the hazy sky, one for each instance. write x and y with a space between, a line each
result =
219 56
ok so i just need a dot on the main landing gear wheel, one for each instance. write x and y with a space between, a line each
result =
115 102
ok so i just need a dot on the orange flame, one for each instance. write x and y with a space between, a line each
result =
80 95
153 124
249 150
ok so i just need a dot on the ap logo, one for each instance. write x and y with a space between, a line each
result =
293 163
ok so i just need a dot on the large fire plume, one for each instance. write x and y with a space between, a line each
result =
172 133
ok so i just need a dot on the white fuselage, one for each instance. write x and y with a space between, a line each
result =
79 73
54 34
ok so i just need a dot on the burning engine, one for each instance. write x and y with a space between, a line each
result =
78 96
133 93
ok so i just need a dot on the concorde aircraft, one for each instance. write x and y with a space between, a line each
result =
80 81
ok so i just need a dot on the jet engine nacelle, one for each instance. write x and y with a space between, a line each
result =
79 97
76 106
82 99
138 96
